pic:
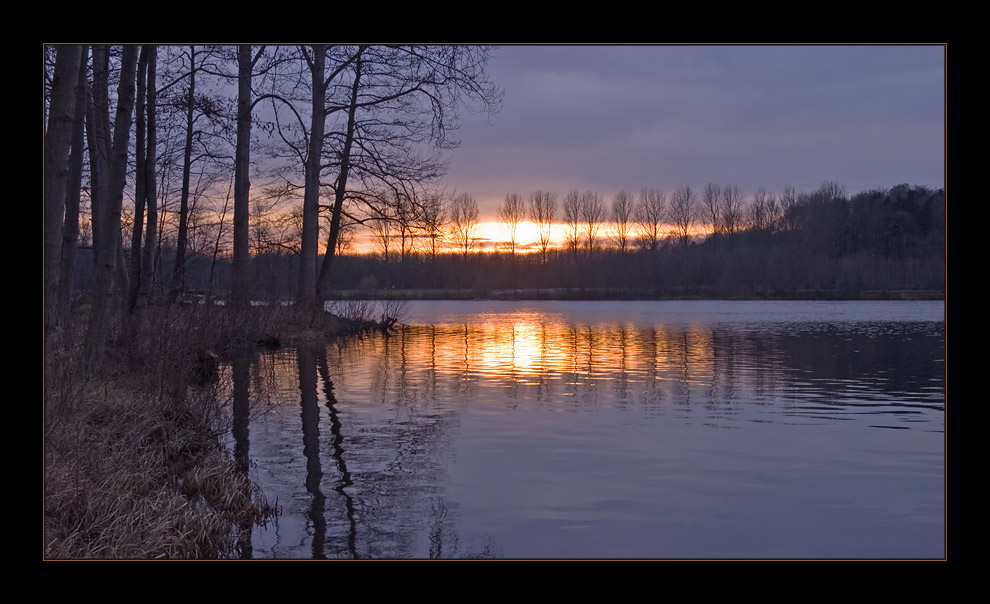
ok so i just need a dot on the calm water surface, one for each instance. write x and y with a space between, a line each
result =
605 430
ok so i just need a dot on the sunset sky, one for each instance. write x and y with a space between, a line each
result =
607 118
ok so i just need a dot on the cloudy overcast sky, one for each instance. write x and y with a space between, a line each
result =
626 117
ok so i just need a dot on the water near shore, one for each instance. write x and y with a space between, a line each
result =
605 430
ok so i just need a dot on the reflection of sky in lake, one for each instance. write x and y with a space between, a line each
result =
546 430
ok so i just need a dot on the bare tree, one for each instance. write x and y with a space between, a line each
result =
58 142
113 178
620 227
464 222
788 203
178 269
711 202
593 216
276 221
204 120
732 209
543 211
70 229
650 214
383 232
433 222
345 239
151 192
763 211
305 141
247 66
830 191
219 239
396 112
683 213
775 212
405 223
206 198
512 212
140 178
316 60
572 221
145 191
240 287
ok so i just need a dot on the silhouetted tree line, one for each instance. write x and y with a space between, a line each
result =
819 244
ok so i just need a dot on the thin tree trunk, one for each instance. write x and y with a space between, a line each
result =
241 279
98 134
97 151
121 287
306 295
70 229
323 285
179 270
58 141
140 180
151 189
216 244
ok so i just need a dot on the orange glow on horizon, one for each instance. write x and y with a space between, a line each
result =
493 235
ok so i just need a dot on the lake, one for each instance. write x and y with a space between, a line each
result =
658 430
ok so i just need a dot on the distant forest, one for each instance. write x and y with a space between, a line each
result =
821 244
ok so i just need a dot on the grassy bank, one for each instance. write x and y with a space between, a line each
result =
134 466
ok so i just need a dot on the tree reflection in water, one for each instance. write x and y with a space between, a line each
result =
392 431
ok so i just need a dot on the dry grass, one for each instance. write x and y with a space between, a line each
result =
134 468
129 477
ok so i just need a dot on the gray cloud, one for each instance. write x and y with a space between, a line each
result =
612 117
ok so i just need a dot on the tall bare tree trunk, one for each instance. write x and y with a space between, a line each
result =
151 189
179 270
241 278
58 141
97 131
323 285
306 295
97 146
140 179
70 230
107 249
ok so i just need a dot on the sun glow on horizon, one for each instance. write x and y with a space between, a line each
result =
493 236
496 235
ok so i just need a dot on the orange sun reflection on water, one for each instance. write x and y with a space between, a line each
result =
532 347
513 345
518 350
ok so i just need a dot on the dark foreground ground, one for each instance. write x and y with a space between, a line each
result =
134 467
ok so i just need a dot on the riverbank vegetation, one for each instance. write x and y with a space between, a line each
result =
134 461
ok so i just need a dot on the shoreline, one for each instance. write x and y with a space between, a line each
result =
134 463
603 294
